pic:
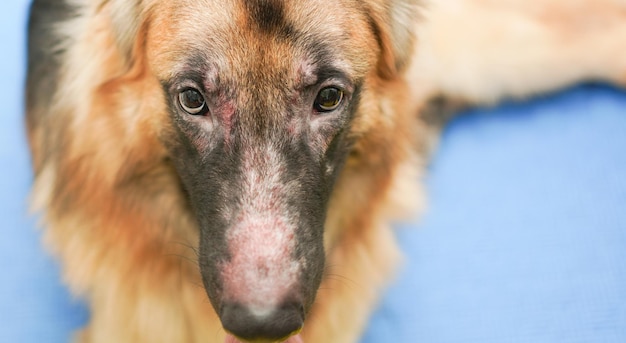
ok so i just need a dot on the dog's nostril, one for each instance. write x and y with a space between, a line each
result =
262 324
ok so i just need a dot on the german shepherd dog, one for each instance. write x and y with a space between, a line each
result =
226 170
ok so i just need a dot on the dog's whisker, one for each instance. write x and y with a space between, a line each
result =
192 261
185 245
343 280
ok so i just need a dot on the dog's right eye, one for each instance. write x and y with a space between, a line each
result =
192 101
328 99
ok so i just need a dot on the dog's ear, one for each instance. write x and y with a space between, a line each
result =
394 24
127 16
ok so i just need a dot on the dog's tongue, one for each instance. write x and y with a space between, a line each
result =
292 339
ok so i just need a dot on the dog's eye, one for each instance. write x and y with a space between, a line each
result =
328 99
192 101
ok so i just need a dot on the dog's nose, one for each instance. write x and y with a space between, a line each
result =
254 324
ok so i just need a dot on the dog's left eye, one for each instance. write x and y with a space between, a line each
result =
192 101
328 99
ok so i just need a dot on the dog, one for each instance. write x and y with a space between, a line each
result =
227 171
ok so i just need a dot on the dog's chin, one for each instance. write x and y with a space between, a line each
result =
292 339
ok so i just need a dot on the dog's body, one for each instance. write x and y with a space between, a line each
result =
255 150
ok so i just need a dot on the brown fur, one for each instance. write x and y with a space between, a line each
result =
114 211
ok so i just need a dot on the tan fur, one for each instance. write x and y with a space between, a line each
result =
486 50
127 246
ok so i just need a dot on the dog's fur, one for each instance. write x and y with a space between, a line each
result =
161 218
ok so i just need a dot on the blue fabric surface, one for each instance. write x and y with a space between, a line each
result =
525 236
524 240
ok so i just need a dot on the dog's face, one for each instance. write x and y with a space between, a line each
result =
262 96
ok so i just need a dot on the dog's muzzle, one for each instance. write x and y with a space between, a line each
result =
247 325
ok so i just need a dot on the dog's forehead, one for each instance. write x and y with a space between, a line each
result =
246 36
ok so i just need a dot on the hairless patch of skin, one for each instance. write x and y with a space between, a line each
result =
261 270
223 108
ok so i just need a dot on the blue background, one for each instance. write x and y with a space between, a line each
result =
523 241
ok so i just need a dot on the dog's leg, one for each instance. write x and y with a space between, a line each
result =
481 51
